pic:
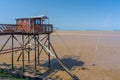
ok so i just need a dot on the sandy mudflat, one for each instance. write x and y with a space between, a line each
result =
91 55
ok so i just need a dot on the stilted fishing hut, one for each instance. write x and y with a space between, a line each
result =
30 28
37 24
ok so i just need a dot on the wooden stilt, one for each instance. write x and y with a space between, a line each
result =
24 46
38 51
49 49
29 49
35 54
58 60
23 53
12 56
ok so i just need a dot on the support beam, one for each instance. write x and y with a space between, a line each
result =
21 46
14 50
23 53
28 49
12 56
38 51
58 60
35 54
42 47
49 49
5 43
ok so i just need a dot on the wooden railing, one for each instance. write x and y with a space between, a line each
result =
42 28
8 27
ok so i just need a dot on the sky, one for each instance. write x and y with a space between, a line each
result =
66 14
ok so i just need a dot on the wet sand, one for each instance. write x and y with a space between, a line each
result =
91 55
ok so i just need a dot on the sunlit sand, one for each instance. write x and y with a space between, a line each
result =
91 55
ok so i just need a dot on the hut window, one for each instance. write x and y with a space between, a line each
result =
37 21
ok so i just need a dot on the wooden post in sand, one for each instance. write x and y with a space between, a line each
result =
12 56
38 51
29 48
23 53
49 49
35 54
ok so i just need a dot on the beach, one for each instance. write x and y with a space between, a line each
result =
90 55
